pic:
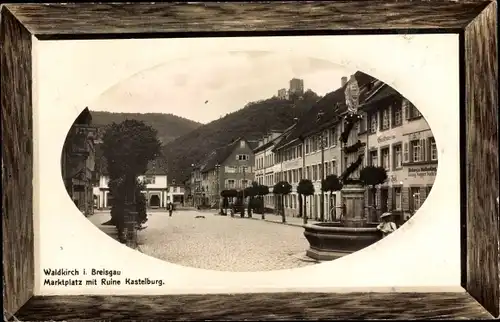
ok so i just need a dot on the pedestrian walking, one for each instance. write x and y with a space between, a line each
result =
170 208
387 225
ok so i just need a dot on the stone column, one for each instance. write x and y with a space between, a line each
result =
353 196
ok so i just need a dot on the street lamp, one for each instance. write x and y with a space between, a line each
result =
243 194
217 173
322 145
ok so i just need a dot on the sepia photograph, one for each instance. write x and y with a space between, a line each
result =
236 161
210 164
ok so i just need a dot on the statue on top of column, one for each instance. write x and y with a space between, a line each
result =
352 96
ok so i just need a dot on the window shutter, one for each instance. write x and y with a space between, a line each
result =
406 109
429 143
406 153
423 150
405 199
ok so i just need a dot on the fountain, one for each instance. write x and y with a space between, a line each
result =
332 240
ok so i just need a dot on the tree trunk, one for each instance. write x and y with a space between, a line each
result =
331 209
374 195
283 219
300 205
305 209
250 203
262 207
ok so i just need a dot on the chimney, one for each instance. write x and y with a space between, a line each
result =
343 81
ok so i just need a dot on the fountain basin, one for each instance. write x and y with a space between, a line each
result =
330 241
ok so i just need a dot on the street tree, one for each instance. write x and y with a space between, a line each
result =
262 190
128 147
281 189
305 188
225 202
251 192
372 176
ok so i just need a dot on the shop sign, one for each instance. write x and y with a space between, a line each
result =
385 138
422 172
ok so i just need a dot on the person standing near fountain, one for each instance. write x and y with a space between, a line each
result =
387 225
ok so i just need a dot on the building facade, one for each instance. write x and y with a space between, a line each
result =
229 167
78 162
197 193
399 139
156 192
266 166
392 133
176 194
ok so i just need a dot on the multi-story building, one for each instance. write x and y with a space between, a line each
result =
197 195
228 167
312 151
175 194
155 192
296 87
399 139
392 133
78 162
265 162
283 94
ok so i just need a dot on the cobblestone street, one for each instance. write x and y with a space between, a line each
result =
220 242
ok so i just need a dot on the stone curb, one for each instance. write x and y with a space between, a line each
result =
277 222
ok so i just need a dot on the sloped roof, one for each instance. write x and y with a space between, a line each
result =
253 144
331 106
157 166
276 140
85 117
264 146
380 94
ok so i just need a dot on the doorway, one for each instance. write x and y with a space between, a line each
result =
154 201
384 198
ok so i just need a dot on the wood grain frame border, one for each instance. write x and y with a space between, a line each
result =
474 21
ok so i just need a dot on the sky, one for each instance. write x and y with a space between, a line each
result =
227 80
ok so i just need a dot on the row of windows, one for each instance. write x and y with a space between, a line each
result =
421 150
389 117
312 144
267 180
264 161
413 195
236 184
236 169
384 119
242 157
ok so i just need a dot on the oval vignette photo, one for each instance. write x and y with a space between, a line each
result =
249 161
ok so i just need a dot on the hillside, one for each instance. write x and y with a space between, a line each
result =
251 122
169 126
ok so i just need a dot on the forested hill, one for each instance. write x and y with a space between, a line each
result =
169 126
251 122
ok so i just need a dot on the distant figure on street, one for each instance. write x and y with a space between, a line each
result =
170 208
388 225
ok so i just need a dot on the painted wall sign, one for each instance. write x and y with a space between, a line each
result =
422 171
385 138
